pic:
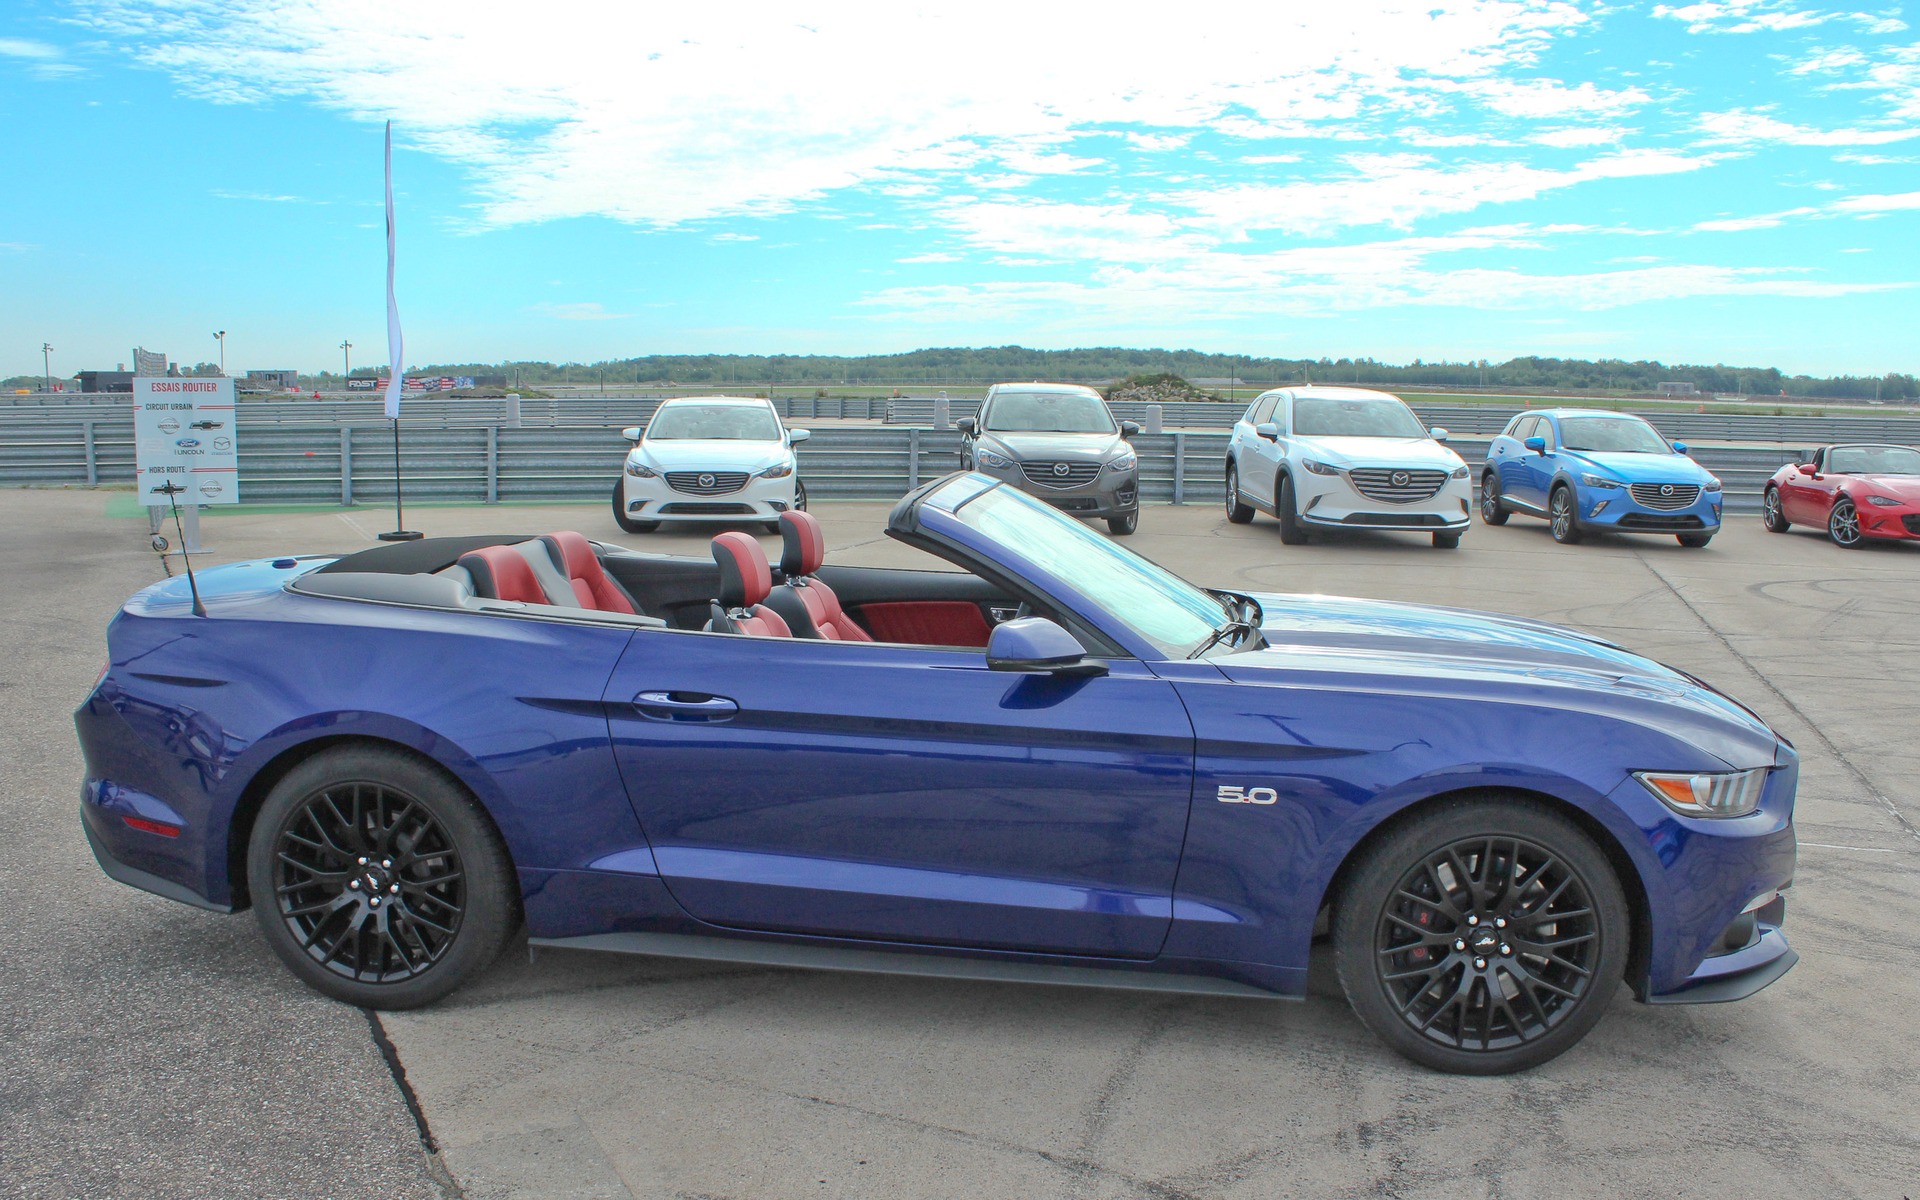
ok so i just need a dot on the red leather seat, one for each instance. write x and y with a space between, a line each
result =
503 573
809 606
592 586
745 580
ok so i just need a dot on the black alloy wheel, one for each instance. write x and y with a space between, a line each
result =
621 518
376 880
799 496
1560 517
1693 541
1238 510
1771 513
1124 524
1482 938
1292 533
1491 510
1843 525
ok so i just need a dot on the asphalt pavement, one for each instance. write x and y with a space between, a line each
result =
155 1050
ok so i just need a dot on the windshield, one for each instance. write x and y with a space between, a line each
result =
1048 412
1611 435
1152 601
1873 460
714 422
1367 417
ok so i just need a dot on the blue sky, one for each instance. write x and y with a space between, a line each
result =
1733 181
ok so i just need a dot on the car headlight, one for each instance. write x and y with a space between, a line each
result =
1713 485
1127 461
640 470
1599 481
1319 468
776 471
1883 501
1728 794
988 458
1459 472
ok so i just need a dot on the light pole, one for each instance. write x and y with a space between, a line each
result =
220 335
46 365
346 359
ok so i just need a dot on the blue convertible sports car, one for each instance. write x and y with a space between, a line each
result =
1591 471
1056 763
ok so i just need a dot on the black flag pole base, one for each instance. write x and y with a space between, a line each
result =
401 535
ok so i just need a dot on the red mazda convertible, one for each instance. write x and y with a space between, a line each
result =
1857 491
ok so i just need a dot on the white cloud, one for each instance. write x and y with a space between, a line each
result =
42 60
1865 207
587 310
1741 127
931 257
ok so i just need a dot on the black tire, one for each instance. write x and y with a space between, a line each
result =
1693 541
1561 516
361 824
625 522
1123 525
1843 525
1771 514
799 496
1491 511
1431 909
1292 533
1446 541
1238 511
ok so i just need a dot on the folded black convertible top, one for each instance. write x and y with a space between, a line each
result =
419 557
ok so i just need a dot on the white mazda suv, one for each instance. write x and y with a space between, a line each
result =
712 459
1345 458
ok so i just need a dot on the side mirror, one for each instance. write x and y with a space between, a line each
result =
1269 431
631 433
967 425
1536 444
1438 434
1679 447
1129 428
1035 644
796 436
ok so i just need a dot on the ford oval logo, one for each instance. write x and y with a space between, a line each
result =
1061 468
1666 489
706 479
1401 478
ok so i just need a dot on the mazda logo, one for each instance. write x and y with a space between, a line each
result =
1401 479
1666 489
706 479
1061 468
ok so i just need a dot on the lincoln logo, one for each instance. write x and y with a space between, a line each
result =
1666 489
1401 478
1061 468
706 480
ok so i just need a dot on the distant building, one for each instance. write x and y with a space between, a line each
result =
1677 389
106 381
274 379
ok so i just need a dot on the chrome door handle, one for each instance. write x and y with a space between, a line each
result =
684 706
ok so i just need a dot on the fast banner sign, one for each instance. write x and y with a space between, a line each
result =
183 432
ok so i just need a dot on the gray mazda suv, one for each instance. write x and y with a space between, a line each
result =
1059 442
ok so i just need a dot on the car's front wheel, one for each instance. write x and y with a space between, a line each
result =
1238 510
1771 514
1693 541
1843 525
1124 524
1292 533
1491 510
377 880
1446 541
1483 936
620 516
1560 516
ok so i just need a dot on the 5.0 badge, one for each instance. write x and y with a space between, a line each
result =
1239 795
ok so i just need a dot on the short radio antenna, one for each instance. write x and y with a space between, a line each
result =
170 489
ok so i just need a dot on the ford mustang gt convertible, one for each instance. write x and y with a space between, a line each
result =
1046 760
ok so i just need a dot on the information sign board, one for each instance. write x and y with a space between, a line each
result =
184 441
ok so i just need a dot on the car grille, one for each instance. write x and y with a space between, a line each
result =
1060 474
1395 485
1912 522
1661 523
1071 504
685 508
1394 520
706 483
1666 496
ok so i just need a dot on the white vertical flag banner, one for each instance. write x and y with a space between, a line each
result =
396 346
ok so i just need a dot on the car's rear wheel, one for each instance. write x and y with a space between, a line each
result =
1238 510
1481 937
1771 514
1490 508
377 880
1693 541
621 518
1124 524
1292 533
1560 516
1843 525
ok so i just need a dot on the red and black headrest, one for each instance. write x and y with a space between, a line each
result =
806 546
592 586
503 573
745 577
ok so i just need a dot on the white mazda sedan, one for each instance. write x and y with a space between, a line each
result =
1345 458
712 459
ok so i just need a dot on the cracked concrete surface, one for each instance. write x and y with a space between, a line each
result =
578 1075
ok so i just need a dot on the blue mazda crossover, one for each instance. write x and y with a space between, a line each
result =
1593 471
1047 760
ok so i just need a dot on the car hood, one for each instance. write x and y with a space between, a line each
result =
1381 451
1456 653
1901 487
724 454
1644 468
1091 447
